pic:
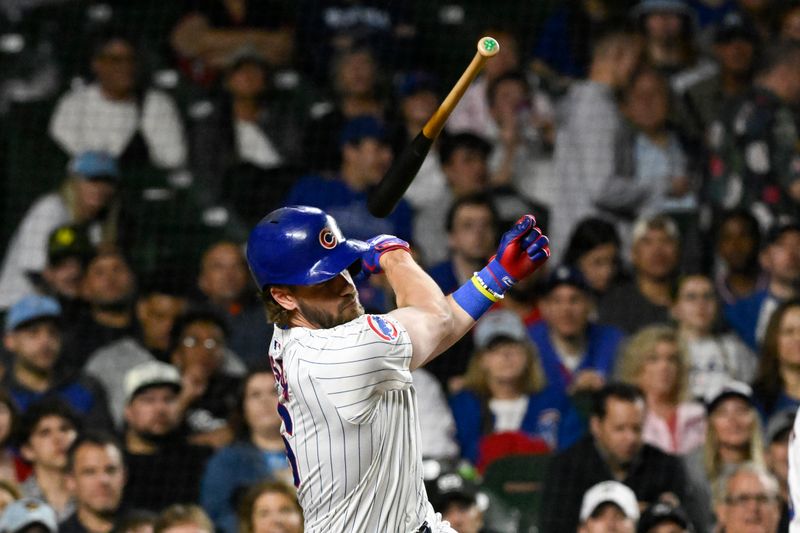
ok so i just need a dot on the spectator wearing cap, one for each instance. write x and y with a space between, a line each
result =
506 394
609 506
223 283
587 148
754 159
734 437
748 501
780 259
244 135
96 479
366 157
594 250
776 452
163 468
614 451
654 360
29 515
34 337
456 499
108 289
356 93
645 299
713 356
137 125
86 197
47 430
208 393
779 365
577 354
664 517
700 100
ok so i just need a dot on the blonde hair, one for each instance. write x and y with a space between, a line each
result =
711 458
182 514
531 381
640 346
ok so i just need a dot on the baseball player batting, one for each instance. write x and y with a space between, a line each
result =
348 406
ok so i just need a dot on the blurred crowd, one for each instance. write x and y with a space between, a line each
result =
645 380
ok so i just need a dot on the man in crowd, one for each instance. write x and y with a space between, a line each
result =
68 250
607 507
748 501
47 430
613 451
96 479
34 338
162 467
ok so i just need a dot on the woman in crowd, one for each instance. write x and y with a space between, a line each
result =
594 249
653 360
505 392
257 454
777 383
12 468
713 357
270 506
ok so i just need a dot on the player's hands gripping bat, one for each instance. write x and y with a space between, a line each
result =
371 260
383 199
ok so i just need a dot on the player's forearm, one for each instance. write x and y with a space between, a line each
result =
462 323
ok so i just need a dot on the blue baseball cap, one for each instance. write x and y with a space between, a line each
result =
360 128
565 275
32 308
95 165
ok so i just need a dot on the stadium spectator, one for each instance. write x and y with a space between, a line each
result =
760 14
713 356
356 94
664 517
506 392
34 338
700 101
654 360
788 21
657 159
108 288
159 302
366 157
748 501
258 452
13 469
211 32
9 493
208 392
437 426
183 518
577 355
29 515
245 131
87 197
737 241
137 521
135 124
777 382
776 455
472 234
47 430
614 450
609 506
456 499
733 438
780 260
655 256
162 467
594 250
587 147
224 284
268 506
755 162
96 479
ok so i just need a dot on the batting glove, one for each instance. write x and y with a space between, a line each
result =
522 250
371 260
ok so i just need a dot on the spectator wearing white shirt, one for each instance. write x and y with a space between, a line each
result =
109 113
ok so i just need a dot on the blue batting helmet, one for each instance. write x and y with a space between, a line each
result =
299 245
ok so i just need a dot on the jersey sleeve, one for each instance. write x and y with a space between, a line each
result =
360 361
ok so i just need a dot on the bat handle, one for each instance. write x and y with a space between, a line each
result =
435 124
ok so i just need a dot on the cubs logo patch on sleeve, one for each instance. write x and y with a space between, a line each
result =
383 328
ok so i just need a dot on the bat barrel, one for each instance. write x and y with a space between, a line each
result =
390 190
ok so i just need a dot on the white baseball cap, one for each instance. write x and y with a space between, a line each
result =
26 512
500 323
610 492
150 374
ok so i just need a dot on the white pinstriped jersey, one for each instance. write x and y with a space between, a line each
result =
350 426
794 475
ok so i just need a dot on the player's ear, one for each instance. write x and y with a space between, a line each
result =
284 298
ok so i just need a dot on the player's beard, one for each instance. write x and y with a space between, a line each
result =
347 311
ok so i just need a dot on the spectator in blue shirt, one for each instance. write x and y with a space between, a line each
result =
775 387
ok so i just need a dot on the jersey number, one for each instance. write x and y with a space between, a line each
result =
283 412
